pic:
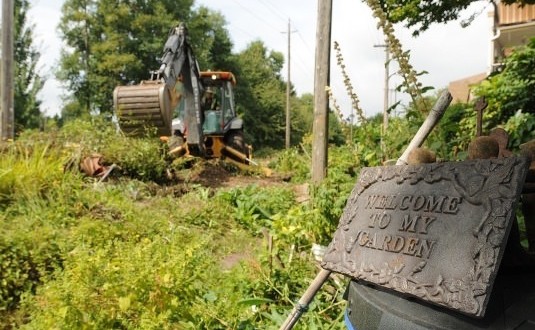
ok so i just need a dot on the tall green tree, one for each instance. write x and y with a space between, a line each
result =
260 95
302 118
211 40
117 42
27 79
76 28
302 115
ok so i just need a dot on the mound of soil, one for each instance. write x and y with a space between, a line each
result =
219 174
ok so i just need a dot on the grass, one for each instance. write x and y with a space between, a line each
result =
136 252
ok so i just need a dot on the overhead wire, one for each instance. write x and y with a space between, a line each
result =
299 62
273 9
303 40
255 15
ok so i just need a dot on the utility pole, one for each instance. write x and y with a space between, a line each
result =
287 139
6 81
387 87
321 100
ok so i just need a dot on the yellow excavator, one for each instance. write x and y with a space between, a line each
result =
202 104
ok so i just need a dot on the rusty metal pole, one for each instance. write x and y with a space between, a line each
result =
481 104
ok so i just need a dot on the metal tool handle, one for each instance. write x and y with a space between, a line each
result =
305 300
430 122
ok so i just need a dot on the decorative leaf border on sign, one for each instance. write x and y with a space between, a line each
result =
485 183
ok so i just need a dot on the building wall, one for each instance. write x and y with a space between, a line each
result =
514 14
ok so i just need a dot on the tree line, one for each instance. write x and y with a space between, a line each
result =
112 43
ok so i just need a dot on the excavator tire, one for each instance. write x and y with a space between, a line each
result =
143 109
234 139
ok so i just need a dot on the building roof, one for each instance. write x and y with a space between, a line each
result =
461 90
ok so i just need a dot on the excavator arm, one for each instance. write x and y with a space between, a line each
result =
141 108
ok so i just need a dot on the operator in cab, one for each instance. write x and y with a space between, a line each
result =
210 100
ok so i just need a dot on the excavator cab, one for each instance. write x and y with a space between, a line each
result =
217 104
221 128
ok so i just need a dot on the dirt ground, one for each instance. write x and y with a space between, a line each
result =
219 174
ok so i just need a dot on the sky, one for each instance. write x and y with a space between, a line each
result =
447 52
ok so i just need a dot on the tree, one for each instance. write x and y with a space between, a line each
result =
420 14
27 80
302 118
76 27
260 95
211 40
117 42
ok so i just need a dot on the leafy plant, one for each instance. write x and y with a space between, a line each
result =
509 91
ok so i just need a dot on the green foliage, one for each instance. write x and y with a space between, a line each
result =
76 25
124 253
302 117
134 284
292 162
29 169
421 14
510 90
260 95
255 207
447 139
521 128
28 82
31 174
143 159
20 271
510 103
76 253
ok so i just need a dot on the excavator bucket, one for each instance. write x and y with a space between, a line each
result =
144 109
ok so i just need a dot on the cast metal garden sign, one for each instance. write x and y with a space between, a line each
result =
436 232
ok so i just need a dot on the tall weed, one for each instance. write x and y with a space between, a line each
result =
29 169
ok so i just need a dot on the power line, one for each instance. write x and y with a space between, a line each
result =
301 66
255 15
304 42
273 9
243 31
266 4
